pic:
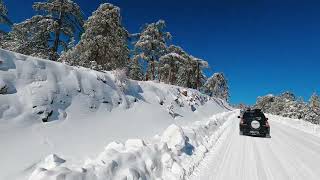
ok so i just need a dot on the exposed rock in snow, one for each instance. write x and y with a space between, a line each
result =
3 87
52 161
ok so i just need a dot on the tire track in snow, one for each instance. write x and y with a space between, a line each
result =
215 149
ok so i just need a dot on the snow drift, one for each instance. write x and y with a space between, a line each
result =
50 108
173 156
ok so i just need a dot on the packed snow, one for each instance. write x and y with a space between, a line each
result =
56 119
292 152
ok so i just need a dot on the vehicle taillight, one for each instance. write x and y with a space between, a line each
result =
241 121
267 124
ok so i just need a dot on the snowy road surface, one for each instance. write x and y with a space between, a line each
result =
288 154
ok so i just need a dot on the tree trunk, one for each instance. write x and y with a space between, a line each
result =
198 75
147 71
159 72
153 70
169 76
57 36
188 79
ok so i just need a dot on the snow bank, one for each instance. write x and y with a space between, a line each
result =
50 108
136 159
299 124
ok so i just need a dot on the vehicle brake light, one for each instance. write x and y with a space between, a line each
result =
267 124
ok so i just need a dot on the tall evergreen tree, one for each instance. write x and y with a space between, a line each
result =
315 102
217 86
4 14
191 72
68 19
30 37
169 66
135 69
103 46
3 20
152 44
190 69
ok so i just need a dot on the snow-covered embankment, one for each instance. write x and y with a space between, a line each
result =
50 108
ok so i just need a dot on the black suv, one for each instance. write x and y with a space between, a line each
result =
254 122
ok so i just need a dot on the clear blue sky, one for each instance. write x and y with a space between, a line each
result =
263 46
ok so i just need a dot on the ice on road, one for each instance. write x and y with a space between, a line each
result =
288 154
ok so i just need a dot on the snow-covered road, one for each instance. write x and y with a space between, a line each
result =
288 154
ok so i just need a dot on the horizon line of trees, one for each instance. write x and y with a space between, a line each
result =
288 105
59 32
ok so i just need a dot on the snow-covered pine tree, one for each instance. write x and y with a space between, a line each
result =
135 69
68 20
151 45
190 69
200 78
314 102
217 86
30 37
3 20
185 67
103 45
265 102
191 72
170 64
4 14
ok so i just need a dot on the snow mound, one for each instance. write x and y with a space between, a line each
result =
299 124
174 137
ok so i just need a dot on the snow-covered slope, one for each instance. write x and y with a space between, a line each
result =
84 110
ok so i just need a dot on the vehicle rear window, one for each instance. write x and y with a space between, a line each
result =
253 115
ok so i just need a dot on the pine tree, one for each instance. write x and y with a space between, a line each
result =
191 73
152 44
3 39
30 37
314 102
217 86
4 14
135 69
68 19
169 66
200 78
103 46
3 20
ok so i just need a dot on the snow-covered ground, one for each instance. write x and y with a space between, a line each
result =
86 110
290 153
